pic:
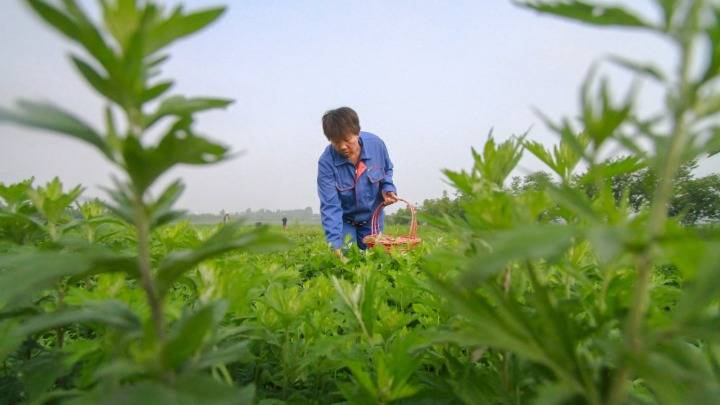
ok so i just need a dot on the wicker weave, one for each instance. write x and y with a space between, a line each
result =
402 243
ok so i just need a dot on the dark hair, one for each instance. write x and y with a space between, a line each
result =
337 123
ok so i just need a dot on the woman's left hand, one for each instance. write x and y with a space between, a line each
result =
389 197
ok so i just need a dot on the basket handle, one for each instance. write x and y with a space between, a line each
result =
375 220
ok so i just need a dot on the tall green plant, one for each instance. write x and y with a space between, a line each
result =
121 60
586 299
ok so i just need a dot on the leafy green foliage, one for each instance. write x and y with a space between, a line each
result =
572 287
81 247
179 145
612 265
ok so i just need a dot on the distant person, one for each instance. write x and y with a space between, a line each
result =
354 178
284 221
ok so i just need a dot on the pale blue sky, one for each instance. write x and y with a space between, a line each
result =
430 77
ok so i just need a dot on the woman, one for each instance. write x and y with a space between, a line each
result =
354 177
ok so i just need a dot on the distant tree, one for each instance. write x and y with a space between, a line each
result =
442 206
437 207
640 185
401 217
695 200
533 181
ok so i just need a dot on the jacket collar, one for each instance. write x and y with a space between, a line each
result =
340 160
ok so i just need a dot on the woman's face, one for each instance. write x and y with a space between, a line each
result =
348 146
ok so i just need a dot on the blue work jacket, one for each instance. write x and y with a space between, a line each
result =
341 197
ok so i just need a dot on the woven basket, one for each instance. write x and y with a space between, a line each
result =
402 243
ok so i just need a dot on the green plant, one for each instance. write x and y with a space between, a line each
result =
584 286
122 57
581 302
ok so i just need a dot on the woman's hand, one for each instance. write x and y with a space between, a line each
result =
341 256
389 197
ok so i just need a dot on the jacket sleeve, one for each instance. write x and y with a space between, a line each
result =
387 182
330 208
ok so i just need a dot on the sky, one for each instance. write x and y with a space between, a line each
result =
431 78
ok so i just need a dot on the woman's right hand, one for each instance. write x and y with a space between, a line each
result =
389 198
340 255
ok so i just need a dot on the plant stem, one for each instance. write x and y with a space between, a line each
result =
60 337
143 230
506 281
53 231
286 360
659 209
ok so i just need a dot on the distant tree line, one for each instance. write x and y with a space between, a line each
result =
696 200
265 216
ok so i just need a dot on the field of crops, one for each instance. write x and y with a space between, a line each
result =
568 289
287 322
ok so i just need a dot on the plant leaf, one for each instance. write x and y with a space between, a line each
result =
224 355
179 25
507 246
47 116
110 312
183 107
588 13
30 271
189 335
100 83
161 210
179 146
644 69
155 91
56 18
